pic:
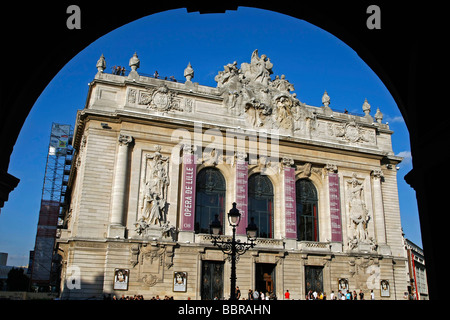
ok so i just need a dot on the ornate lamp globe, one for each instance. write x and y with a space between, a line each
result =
252 230
215 227
234 216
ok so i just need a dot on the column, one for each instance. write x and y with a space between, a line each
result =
117 228
378 212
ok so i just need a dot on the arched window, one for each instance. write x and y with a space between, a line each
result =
210 198
307 212
260 204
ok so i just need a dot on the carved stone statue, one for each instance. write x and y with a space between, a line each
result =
284 113
282 84
250 92
358 213
155 188
259 69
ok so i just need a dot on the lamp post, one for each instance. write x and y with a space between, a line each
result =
232 247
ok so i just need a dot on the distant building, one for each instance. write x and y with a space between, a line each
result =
417 273
3 258
157 160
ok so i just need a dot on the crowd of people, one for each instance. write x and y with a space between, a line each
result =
255 295
135 297
341 295
260 295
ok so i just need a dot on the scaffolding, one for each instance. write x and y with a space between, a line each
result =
57 170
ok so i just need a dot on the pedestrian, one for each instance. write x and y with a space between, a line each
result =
361 295
262 296
332 296
250 294
315 295
348 296
238 293
355 296
287 295
372 295
256 295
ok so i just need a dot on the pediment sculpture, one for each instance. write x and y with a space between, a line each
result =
251 93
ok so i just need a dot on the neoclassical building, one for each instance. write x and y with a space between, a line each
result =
157 160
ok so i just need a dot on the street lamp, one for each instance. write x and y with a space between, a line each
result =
232 247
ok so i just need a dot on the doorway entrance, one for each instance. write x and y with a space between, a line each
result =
265 277
212 280
313 279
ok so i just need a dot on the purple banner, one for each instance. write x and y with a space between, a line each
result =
188 193
289 203
241 194
335 207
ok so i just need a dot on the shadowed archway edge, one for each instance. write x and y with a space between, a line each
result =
37 44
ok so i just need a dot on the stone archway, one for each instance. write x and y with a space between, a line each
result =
402 53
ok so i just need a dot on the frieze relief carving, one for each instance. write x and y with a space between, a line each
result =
151 260
160 98
351 132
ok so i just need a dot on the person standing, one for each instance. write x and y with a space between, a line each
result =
287 295
372 295
348 295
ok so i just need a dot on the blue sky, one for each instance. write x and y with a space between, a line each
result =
311 58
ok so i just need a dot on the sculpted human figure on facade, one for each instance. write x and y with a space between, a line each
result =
251 93
155 188
358 213
259 69
284 113
282 84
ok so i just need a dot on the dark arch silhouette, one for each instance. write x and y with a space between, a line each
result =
405 53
